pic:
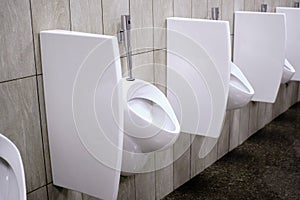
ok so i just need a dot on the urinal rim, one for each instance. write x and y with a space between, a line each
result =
248 92
170 114
20 179
289 67
150 122
242 79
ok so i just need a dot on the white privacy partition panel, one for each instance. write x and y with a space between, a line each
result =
259 51
81 72
293 38
198 74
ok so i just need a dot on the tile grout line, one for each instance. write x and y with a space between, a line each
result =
20 78
38 97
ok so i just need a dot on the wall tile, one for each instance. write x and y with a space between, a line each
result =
212 156
19 121
88 197
41 193
182 169
47 15
295 92
162 9
164 172
261 115
272 4
164 181
253 118
44 128
183 8
199 9
181 159
197 164
86 16
268 113
160 69
164 158
249 5
143 66
291 94
299 92
239 5
16 53
58 193
214 3
227 12
141 12
244 123
223 141
126 188
234 129
288 3
145 186
277 106
284 3
112 11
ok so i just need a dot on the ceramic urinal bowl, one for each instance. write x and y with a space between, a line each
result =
240 90
149 119
81 73
198 74
150 125
292 38
259 51
288 72
12 177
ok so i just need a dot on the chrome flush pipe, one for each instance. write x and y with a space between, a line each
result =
215 13
264 7
124 36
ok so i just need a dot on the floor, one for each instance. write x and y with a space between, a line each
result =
266 166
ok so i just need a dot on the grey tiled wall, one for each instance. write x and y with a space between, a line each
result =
22 113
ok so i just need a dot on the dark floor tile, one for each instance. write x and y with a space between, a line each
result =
266 166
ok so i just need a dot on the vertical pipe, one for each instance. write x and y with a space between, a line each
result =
215 13
126 26
264 7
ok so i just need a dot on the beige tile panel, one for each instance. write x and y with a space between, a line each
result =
16 52
162 9
19 121
86 16
47 15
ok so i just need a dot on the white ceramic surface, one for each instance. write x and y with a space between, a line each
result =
293 39
240 90
12 177
288 72
259 51
198 74
84 113
150 123
149 119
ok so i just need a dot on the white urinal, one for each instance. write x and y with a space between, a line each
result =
150 124
240 90
288 72
198 74
149 119
259 51
292 39
81 73
12 177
